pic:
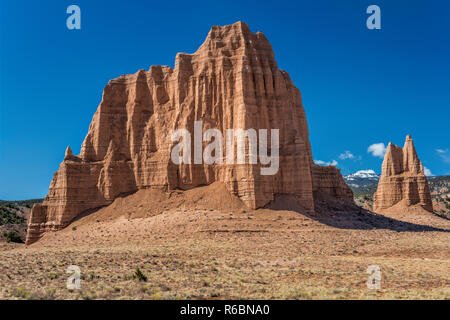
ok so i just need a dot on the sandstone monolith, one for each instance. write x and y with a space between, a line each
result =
403 180
231 82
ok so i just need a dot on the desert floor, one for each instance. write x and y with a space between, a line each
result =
210 248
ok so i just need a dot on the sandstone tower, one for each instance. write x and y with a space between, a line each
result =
403 180
231 82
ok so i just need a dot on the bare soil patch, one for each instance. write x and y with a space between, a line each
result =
204 244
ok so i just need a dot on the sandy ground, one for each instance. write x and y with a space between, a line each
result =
211 247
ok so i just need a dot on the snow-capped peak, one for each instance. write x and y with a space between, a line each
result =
363 174
362 178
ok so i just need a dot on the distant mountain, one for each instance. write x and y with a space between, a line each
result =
362 178
24 203
364 184
440 193
439 185
13 219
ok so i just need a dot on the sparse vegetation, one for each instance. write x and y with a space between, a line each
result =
22 292
10 214
139 275
24 203
298 257
13 236
365 192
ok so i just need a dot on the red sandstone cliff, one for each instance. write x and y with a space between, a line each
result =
231 82
402 180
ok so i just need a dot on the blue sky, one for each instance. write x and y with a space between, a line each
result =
359 86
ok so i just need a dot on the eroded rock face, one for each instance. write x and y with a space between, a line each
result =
231 82
328 180
402 179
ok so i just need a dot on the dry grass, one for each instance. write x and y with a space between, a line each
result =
199 253
247 266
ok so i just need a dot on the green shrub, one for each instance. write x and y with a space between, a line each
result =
52 276
22 292
155 296
9 216
13 236
139 275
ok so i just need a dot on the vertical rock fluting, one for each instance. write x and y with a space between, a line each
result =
402 179
231 82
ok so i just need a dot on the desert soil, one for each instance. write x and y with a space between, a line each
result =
203 244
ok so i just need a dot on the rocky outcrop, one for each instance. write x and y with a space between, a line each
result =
402 179
328 180
231 82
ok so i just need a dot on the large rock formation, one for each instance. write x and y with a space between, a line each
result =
231 82
403 180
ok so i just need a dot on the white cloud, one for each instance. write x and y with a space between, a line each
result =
444 155
427 172
377 149
346 155
323 163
